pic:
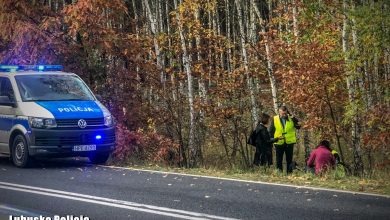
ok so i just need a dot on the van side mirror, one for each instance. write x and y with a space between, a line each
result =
4 100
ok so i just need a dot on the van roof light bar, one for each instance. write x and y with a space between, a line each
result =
8 68
40 68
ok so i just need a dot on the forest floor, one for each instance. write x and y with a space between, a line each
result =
378 183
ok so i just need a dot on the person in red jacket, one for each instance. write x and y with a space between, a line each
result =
322 158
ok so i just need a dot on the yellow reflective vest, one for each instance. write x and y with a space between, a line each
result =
288 131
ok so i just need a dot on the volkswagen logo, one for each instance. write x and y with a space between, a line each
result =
82 123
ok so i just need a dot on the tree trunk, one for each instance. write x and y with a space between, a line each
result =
193 151
153 28
295 21
202 86
358 163
270 70
229 51
246 64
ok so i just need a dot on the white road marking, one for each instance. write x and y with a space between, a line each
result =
250 181
111 202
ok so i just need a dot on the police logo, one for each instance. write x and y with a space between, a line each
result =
82 123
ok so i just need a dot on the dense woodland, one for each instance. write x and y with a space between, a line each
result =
187 79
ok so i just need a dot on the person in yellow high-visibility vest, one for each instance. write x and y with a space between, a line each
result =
284 125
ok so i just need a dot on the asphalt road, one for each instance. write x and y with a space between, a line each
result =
74 189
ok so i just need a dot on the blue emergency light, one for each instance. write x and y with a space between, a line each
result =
98 137
8 68
40 68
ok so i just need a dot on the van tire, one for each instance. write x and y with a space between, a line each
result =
100 158
19 152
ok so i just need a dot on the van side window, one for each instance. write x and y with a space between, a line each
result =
6 91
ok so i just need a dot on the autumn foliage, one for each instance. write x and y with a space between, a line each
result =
146 146
186 80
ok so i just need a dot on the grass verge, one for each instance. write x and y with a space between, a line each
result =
379 184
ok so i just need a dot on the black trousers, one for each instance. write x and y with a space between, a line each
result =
256 159
263 156
280 150
266 157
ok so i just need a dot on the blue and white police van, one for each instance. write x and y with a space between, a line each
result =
45 112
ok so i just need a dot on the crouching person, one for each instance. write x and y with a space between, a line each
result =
321 158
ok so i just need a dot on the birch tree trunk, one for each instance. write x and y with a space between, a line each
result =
193 151
246 63
153 28
270 70
295 21
202 86
229 51
138 78
358 163
252 37
172 76
161 30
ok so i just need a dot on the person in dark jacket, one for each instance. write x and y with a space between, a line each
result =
322 158
263 142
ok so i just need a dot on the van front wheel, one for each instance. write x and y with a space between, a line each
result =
19 153
99 158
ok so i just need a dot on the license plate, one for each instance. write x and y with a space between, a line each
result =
84 147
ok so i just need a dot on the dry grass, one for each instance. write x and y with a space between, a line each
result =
379 184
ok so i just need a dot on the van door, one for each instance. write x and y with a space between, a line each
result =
7 113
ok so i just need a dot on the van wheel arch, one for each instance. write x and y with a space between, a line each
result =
20 151
11 140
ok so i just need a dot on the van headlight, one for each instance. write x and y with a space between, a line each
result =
42 122
108 121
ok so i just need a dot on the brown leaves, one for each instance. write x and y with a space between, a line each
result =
310 78
30 32
377 134
94 20
146 146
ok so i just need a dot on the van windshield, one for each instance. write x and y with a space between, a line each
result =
52 88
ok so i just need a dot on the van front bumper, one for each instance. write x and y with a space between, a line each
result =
60 143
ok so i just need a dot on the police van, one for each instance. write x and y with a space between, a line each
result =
45 112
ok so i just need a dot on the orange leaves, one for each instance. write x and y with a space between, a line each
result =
377 134
93 18
31 33
311 79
